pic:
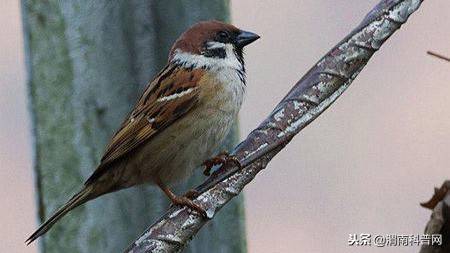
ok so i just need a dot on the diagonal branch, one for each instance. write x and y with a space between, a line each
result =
440 56
314 93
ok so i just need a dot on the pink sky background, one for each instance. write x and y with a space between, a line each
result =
362 167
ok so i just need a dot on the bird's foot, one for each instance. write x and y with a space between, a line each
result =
192 194
222 158
186 201
181 200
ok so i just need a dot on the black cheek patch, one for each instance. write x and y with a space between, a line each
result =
216 53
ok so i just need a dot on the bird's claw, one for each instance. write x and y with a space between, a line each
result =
185 201
222 158
191 194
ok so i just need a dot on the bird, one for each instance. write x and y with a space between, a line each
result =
180 120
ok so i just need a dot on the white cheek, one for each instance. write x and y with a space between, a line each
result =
201 61
231 59
228 70
214 45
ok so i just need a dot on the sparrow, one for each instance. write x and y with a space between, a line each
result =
180 120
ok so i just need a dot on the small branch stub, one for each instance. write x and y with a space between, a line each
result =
439 222
440 56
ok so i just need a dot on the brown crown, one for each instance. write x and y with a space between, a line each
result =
193 39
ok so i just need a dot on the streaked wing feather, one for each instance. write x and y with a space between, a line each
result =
170 96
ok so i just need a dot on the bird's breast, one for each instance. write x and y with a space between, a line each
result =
180 148
223 91
200 134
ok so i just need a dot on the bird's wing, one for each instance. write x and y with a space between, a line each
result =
173 93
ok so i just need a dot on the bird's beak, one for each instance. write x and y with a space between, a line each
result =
244 38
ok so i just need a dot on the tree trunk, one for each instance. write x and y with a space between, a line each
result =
87 63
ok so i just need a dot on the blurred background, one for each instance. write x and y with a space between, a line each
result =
362 167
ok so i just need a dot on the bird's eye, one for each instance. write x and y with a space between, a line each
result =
223 36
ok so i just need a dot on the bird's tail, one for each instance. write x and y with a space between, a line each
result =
78 199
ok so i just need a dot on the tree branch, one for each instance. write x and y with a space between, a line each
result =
440 219
314 93
445 58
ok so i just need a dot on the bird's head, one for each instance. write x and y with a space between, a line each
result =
212 44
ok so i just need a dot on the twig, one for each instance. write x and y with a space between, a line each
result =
438 196
439 222
314 93
438 56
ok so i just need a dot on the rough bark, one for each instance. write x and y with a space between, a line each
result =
439 222
314 93
87 62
